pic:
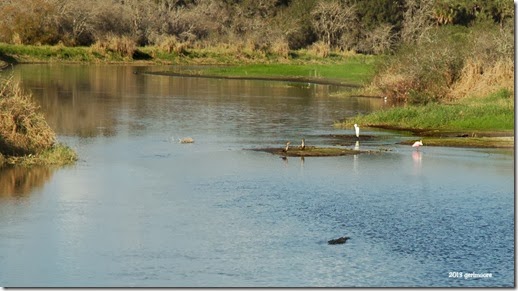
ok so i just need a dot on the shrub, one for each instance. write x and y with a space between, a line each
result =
23 130
425 71
489 65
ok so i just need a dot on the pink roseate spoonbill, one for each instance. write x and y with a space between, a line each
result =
357 130
417 144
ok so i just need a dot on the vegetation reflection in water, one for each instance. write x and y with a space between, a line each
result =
17 182
83 100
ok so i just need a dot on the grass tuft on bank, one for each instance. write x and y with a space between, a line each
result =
25 137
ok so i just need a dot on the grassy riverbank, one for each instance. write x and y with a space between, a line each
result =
124 53
486 121
25 137
354 71
300 65
488 113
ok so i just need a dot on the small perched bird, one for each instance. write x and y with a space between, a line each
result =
337 241
417 144
287 146
303 144
357 130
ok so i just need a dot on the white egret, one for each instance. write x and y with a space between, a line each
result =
357 130
303 144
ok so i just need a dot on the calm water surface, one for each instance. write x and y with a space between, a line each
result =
141 209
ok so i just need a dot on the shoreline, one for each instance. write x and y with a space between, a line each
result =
444 137
293 79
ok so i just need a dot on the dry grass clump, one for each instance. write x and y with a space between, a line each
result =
170 44
454 62
281 48
320 49
478 79
23 129
125 46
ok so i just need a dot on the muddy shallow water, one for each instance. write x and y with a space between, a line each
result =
142 209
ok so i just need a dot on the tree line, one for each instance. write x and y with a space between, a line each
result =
364 26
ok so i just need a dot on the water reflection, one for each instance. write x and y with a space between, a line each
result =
143 210
357 145
355 157
17 182
100 100
417 157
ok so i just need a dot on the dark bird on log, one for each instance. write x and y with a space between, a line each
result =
338 241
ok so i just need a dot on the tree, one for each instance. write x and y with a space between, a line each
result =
418 20
331 19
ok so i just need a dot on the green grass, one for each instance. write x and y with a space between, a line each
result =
468 142
45 53
348 71
493 112
58 155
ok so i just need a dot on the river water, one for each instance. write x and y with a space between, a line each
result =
141 209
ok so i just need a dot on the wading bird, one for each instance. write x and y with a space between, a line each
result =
287 146
303 144
357 130
417 144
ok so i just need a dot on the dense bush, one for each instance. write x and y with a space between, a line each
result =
450 62
423 72
367 26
